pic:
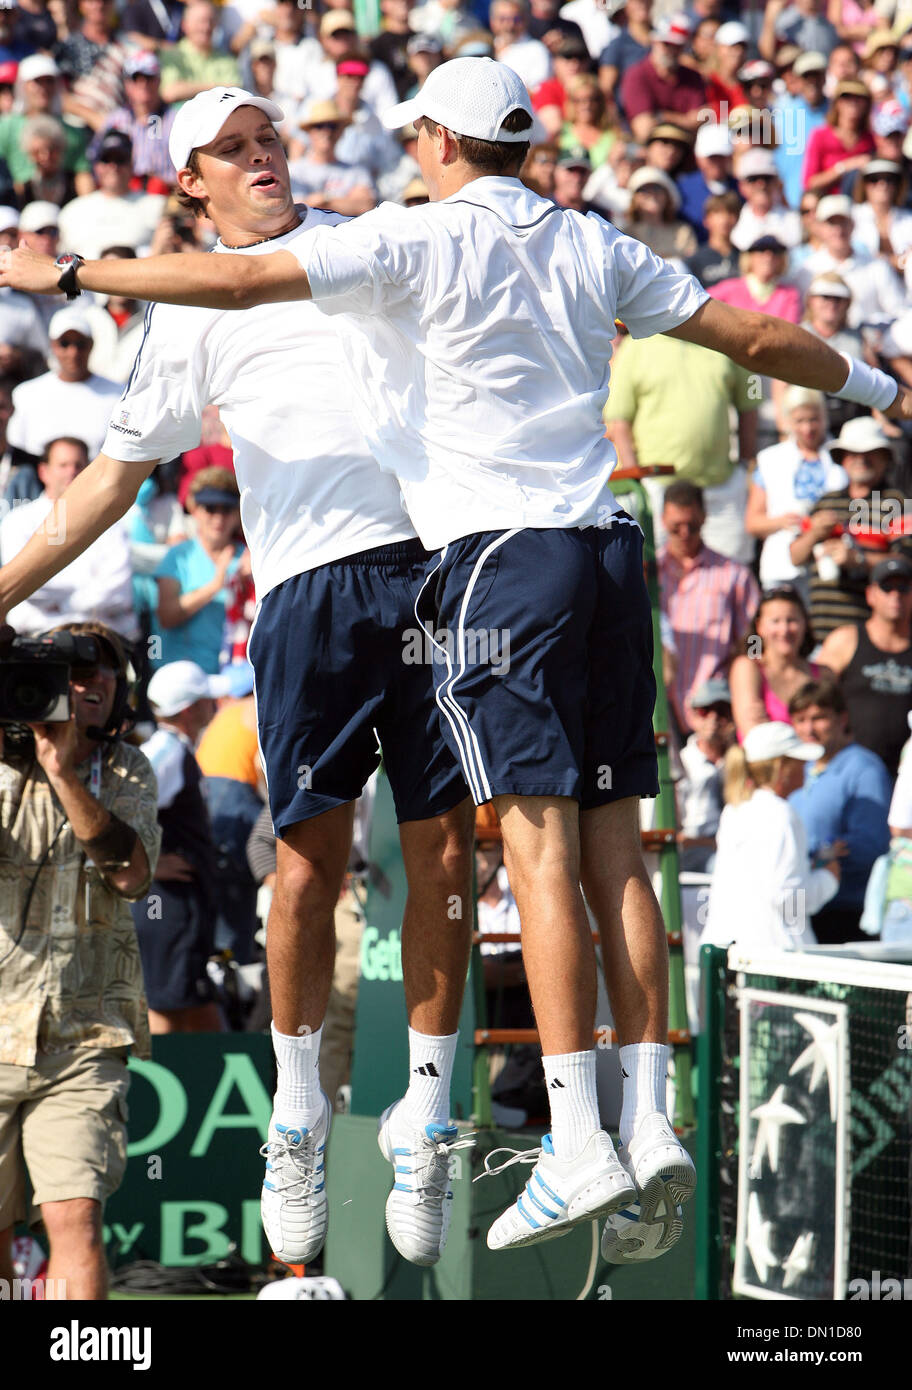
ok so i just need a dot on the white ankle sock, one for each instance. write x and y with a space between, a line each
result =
570 1078
644 1067
297 1097
427 1100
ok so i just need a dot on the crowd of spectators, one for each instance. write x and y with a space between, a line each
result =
767 152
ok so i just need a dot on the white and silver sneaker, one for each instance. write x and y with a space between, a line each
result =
561 1193
293 1204
419 1205
660 1166
628 1239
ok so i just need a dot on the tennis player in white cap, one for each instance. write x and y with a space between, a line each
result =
337 568
478 332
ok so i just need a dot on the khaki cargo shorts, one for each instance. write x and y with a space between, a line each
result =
64 1122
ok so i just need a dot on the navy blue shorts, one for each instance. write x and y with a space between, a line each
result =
175 945
544 676
338 665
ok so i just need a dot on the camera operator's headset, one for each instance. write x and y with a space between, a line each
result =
121 721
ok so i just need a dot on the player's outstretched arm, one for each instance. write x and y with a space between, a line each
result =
94 500
772 347
214 282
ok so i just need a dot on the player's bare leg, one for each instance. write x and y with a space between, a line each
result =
541 856
415 1132
437 925
311 860
300 948
577 1176
635 957
631 929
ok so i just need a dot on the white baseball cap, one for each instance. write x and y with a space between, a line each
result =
810 62
39 214
9 217
836 288
757 163
777 740
731 33
834 205
648 176
69 320
180 684
713 139
35 66
200 120
468 96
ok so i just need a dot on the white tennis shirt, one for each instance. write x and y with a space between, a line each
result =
310 490
479 332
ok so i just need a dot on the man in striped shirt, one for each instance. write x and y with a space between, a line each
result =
147 121
863 510
708 599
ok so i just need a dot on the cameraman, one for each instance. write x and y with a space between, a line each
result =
79 837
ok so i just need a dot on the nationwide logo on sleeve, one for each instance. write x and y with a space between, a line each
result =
122 423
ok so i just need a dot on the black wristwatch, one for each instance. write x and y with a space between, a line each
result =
68 264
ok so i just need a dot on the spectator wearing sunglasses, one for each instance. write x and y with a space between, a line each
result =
873 661
699 792
193 592
764 213
112 215
883 225
708 599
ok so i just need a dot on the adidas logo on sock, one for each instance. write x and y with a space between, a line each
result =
625 1074
555 1084
427 1070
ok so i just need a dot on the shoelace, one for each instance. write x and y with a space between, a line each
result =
434 1189
303 1153
519 1156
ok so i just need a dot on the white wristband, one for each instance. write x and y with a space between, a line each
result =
867 385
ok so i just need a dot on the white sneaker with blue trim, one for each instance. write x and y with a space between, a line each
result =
660 1166
419 1205
561 1193
293 1203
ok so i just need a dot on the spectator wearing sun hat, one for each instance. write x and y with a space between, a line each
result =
147 121
194 576
653 218
764 212
843 562
338 45
877 291
319 178
364 141
40 84
764 887
723 91
796 117
70 400
661 87
713 152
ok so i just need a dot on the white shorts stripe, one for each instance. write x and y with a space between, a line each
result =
446 697
459 724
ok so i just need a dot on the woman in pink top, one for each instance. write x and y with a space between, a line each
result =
773 665
844 143
760 287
